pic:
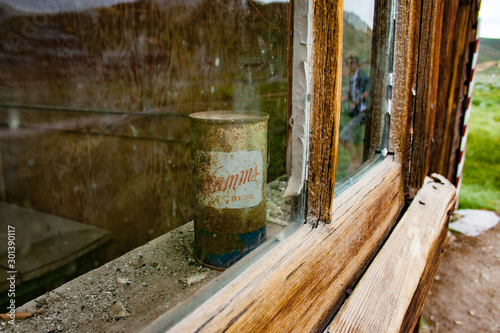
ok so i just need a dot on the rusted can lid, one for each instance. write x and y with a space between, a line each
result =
228 116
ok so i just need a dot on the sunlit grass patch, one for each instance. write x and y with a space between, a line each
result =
481 178
476 196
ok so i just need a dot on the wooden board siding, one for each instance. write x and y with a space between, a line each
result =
447 54
462 89
460 24
425 89
456 85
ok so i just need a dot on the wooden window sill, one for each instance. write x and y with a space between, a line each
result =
392 292
302 283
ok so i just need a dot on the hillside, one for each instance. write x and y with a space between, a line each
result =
489 50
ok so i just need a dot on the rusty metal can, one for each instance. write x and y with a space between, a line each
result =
229 160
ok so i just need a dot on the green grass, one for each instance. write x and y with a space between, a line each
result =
481 177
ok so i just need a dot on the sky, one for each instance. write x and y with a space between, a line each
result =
363 8
489 26
489 15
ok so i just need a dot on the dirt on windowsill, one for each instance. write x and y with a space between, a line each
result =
128 293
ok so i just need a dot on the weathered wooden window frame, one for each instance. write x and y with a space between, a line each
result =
303 281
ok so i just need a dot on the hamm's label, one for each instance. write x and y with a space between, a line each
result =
229 180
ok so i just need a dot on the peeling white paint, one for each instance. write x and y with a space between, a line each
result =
301 100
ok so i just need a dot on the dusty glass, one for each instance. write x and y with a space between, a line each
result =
95 156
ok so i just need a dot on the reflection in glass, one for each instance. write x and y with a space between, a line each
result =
94 105
356 86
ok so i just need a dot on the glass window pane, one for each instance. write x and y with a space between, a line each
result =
95 99
357 125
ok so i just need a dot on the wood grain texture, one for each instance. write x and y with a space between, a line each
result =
405 66
462 86
282 292
389 297
381 46
456 80
410 323
325 106
442 119
123 185
444 159
422 124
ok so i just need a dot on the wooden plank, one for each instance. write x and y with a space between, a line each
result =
390 296
422 124
404 90
451 106
460 19
325 107
462 88
442 117
342 208
449 142
282 292
410 323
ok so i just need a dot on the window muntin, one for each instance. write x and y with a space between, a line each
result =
95 100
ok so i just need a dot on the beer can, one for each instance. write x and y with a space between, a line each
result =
229 165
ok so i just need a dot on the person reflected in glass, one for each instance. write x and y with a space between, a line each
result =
351 134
